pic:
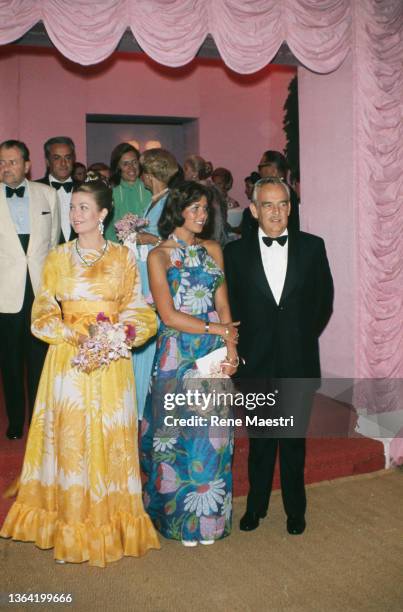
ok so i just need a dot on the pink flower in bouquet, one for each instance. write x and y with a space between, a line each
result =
130 333
101 317
129 225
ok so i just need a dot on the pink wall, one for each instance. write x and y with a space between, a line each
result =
239 116
328 207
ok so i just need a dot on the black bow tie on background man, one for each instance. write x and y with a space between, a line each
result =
19 192
67 186
269 241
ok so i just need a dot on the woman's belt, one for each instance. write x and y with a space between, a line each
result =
75 310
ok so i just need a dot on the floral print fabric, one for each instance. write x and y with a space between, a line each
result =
80 490
188 492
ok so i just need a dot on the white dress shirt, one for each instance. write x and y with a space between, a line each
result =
19 210
274 259
64 201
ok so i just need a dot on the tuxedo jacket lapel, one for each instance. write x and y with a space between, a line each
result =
8 224
36 205
292 261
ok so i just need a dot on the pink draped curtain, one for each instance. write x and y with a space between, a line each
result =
379 187
248 33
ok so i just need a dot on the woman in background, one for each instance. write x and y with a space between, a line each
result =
158 168
188 493
197 169
223 180
79 172
80 487
129 193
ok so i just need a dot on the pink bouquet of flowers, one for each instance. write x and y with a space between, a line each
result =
106 342
127 227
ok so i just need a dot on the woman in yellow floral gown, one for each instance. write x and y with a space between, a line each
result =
80 488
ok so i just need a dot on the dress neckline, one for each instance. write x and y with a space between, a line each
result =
182 243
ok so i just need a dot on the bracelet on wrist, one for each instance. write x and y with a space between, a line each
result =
158 242
231 362
207 327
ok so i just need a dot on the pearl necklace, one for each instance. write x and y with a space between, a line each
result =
90 263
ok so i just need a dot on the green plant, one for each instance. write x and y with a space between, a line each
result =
291 129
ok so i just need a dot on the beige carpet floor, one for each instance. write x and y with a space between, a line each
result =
349 559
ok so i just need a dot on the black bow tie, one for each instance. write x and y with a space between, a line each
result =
68 186
269 241
19 192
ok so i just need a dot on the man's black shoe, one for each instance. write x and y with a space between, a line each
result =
250 521
296 526
14 433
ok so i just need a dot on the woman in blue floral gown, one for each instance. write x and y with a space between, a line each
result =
188 492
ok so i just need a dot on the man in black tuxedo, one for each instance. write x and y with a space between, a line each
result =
281 290
60 157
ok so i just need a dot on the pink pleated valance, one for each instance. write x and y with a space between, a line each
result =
248 33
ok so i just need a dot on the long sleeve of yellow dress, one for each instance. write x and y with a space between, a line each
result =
47 322
133 308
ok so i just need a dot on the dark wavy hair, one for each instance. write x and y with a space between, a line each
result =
116 155
99 189
182 196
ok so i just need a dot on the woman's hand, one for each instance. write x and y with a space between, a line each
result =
230 364
146 238
229 332
81 339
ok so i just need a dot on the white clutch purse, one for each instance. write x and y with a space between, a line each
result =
210 363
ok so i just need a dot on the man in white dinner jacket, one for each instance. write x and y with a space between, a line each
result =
29 227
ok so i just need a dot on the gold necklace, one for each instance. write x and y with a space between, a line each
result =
85 261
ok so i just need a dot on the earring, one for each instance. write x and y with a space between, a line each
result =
101 227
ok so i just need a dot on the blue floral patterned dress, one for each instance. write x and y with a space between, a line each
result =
188 492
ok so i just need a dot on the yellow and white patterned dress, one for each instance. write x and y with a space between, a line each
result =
80 489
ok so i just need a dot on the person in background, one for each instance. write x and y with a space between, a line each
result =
79 172
198 169
249 222
223 180
274 165
159 167
129 193
250 182
102 169
188 493
29 228
80 486
60 157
